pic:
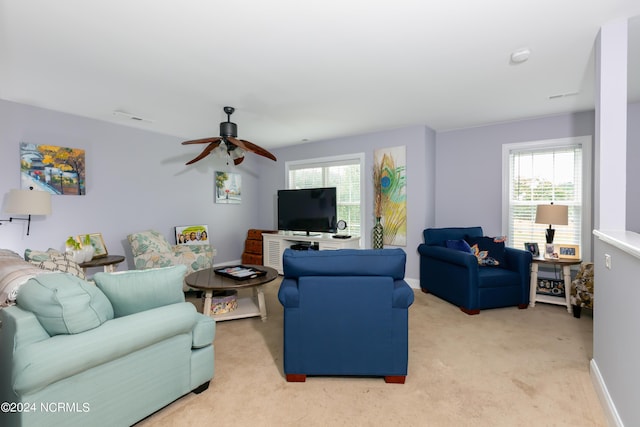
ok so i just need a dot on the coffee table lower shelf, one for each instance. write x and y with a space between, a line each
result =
247 307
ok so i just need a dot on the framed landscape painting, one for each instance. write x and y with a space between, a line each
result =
228 187
57 170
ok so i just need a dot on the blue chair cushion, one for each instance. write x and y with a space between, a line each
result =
439 236
497 278
345 262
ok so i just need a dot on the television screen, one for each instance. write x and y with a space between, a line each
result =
308 210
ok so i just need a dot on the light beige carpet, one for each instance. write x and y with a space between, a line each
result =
504 367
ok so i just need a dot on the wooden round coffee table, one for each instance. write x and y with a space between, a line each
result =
208 281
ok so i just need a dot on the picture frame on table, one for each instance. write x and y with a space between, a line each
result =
568 251
97 242
533 248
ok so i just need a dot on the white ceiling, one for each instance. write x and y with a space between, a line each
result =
302 70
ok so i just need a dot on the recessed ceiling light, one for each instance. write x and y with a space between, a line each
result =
563 95
130 116
519 56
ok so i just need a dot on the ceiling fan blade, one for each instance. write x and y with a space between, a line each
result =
208 149
238 160
250 146
203 140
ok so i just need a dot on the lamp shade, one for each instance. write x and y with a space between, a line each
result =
552 214
28 202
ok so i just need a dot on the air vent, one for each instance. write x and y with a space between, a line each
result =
130 116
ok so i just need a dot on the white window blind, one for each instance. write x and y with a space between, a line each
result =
542 176
344 173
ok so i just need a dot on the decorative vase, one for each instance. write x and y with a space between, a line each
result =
76 255
378 235
88 252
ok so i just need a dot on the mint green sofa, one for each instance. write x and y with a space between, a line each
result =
77 354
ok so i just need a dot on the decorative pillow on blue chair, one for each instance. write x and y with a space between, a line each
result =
494 248
458 245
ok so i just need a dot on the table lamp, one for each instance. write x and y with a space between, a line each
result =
27 202
552 214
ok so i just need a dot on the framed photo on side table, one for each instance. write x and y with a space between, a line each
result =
568 251
533 248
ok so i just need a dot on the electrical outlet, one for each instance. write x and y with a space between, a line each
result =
607 261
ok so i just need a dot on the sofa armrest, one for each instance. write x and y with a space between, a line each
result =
452 256
289 294
403 295
204 331
518 260
20 328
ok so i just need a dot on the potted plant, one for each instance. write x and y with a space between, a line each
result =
88 248
73 248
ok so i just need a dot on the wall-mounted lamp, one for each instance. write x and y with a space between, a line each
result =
552 214
27 202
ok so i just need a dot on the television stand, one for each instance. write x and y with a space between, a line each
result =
302 233
273 245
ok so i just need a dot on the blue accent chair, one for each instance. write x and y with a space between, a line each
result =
455 276
345 313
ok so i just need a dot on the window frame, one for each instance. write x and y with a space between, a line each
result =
586 142
337 160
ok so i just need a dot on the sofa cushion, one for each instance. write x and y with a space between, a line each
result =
64 303
14 272
138 290
438 236
345 262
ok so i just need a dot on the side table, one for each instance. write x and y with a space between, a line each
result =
109 263
566 275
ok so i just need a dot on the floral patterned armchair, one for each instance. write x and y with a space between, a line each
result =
582 289
152 250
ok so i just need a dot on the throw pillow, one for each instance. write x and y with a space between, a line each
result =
458 245
490 250
60 263
139 290
64 304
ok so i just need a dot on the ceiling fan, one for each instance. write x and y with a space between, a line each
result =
227 143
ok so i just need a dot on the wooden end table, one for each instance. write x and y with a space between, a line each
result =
566 274
108 262
208 281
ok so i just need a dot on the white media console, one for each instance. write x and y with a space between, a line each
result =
273 245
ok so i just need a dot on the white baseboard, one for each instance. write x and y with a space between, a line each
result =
414 283
603 395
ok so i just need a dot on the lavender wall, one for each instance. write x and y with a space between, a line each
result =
633 171
420 145
136 180
469 166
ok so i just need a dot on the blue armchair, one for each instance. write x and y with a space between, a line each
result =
456 276
345 313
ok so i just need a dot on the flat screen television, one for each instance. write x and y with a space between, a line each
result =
308 210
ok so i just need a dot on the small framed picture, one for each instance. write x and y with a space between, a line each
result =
568 251
97 242
533 248
550 251
192 235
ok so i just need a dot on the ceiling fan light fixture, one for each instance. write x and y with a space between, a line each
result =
227 145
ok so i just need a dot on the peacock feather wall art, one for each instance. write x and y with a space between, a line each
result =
390 200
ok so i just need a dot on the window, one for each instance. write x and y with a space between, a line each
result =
342 172
543 172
